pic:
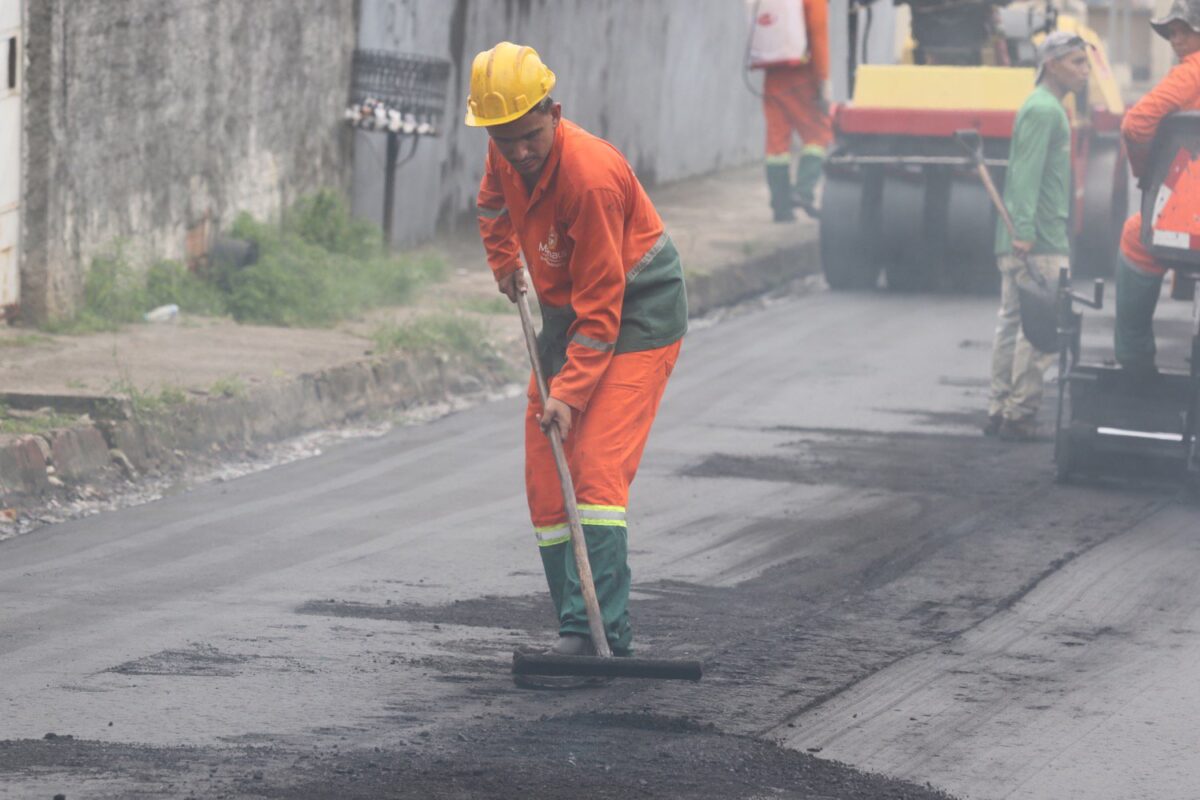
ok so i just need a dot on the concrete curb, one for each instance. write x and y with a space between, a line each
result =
752 277
128 444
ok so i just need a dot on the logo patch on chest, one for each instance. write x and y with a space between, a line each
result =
551 255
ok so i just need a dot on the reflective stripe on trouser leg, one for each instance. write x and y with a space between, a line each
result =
558 562
554 553
608 549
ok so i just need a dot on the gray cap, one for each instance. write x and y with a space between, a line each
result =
1058 44
1186 11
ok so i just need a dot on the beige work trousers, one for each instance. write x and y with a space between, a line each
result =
1018 368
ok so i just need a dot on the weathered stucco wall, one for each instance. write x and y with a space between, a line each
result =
662 80
143 116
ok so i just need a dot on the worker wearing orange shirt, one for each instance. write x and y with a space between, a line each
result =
611 291
1139 275
790 42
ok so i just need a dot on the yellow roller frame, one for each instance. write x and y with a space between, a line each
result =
950 88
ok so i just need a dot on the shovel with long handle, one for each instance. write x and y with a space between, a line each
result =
603 664
578 544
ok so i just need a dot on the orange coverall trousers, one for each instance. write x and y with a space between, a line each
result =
790 103
603 449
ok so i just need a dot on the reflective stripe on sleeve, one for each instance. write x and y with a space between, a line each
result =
594 344
645 260
491 213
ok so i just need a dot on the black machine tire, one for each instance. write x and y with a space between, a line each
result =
909 263
970 231
849 220
1105 201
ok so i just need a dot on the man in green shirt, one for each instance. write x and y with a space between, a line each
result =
1037 193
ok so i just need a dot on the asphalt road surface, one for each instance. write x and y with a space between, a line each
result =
888 604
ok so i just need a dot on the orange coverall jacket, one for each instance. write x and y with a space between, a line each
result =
1178 91
791 92
607 276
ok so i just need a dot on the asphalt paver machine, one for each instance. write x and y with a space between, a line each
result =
900 199
1111 419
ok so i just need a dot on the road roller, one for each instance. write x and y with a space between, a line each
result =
901 200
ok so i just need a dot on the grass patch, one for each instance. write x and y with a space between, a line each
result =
320 266
147 402
24 340
116 293
172 282
229 386
16 423
488 305
316 267
440 334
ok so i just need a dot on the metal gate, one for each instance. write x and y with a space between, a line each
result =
11 60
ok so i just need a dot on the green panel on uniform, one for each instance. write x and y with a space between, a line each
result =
653 313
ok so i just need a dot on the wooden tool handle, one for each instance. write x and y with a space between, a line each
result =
586 583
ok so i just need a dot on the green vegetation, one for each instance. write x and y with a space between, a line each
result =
24 340
318 266
441 334
172 282
321 265
147 402
229 386
15 422
488 305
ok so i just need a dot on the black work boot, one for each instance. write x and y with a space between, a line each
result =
779 181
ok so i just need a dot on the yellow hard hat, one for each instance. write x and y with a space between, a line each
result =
506 81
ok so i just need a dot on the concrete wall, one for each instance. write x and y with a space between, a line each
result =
144 116
662 80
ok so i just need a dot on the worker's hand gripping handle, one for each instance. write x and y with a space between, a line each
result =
587 583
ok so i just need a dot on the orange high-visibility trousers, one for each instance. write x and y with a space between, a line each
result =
791 102
605 443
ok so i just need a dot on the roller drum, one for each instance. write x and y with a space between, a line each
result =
908 232
971 236
849 229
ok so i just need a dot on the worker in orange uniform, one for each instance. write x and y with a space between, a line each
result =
790 42
614 311
1139 275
